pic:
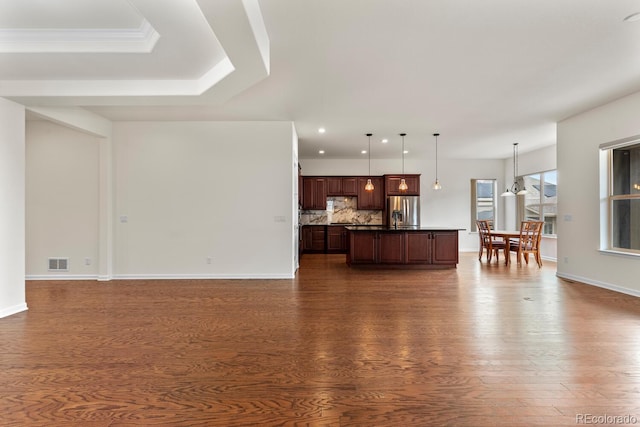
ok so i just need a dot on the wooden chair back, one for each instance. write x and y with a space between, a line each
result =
529 241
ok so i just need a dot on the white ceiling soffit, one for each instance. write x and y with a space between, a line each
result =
34 26
130 40
215 48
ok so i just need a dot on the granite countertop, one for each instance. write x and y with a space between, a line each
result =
400 228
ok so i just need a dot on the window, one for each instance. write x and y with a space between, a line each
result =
624 198
541 200
483 201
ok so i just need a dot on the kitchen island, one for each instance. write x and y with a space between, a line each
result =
402 247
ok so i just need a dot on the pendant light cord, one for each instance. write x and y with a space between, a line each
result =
436 135
369 135
402 134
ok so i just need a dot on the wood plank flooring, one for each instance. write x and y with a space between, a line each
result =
480 345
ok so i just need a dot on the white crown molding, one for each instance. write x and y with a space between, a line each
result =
124 40
239 30
82 88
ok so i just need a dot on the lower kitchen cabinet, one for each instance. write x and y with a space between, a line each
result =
313 238
434 248
336 239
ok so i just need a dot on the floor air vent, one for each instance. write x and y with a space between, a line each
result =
58 264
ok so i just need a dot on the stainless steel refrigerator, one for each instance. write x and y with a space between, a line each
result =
403 211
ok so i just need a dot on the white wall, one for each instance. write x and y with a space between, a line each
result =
579 137
196 190
449 207
62 199
12 211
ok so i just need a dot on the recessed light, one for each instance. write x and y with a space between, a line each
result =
384 141
633 17
406 151
321 152
321 130
363 152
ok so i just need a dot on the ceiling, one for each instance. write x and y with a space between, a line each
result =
484 74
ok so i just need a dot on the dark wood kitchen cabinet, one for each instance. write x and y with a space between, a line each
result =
420 248
371 200
313 238
391 247
392 182
341 186
336 239
314 193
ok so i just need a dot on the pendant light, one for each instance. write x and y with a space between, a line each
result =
403 184
515 188
436 184
369 185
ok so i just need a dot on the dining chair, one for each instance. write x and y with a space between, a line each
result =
487 242
527 243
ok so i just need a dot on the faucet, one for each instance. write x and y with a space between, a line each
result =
395 215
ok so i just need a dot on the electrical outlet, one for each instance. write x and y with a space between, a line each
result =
209 260
566 260
87 261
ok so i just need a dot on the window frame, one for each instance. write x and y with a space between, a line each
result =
522 203
606 149
474 201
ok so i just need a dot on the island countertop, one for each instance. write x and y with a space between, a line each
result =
400 228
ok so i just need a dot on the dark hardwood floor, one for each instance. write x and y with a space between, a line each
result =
480 345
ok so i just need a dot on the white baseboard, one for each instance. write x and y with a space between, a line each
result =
60 277
599 284
13 310
199 276
156 277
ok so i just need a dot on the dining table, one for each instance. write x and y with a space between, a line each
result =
506 235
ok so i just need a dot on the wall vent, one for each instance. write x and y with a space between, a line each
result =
58 264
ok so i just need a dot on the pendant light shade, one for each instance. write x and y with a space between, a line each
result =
436 183
515 187
369 185
403 184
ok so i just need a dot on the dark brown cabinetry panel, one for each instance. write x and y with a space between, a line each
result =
418 248
362 248
349 186
313 238
371 200
314 193
427 248
341 186
334 186
391 248
392 182
336 239
445 244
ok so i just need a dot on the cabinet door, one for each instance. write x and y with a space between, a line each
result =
314 194
418 247
445 247
313 238
350 186
391 248
371 200
392 184
334 186
336 239
362 248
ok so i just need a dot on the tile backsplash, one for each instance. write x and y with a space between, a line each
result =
341 209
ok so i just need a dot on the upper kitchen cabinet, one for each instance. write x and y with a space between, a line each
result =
371 200
392 184
341 186
314 193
